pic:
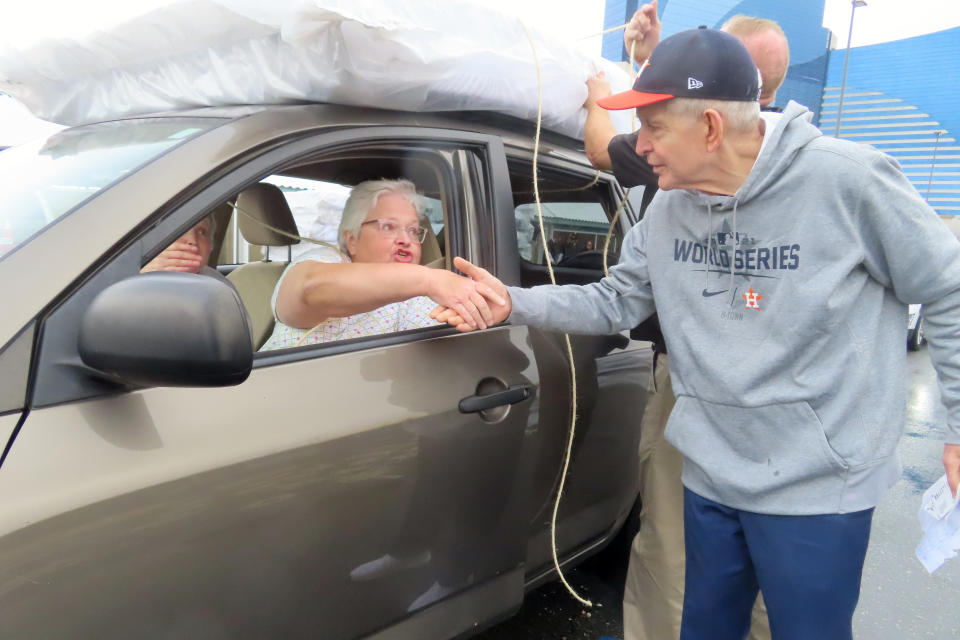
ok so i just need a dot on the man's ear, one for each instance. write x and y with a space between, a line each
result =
714 129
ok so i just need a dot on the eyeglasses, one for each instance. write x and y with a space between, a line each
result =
391 229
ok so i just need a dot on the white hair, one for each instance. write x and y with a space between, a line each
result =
364 197
737 115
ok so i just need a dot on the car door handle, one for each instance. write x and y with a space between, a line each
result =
510 395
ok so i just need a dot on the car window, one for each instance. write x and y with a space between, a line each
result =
46 179
294 214
571 228
576 220
317 208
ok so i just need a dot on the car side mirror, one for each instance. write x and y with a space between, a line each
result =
168 329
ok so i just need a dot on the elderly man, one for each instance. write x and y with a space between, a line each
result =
763 39
653 593
776 259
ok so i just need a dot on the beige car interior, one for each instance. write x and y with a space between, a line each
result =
265 220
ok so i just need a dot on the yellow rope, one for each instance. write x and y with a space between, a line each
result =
604 32
566 337
596 179
613 222
286 234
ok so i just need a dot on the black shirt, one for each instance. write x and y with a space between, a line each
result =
630 169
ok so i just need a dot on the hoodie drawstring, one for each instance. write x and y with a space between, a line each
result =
736 243
733 254
706 278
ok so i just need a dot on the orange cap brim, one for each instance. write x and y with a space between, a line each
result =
631 100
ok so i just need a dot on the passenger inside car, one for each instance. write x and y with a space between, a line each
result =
374 283
190 253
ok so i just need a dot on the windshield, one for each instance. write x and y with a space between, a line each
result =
41 181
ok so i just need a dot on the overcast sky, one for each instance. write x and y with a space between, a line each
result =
879 21
580 21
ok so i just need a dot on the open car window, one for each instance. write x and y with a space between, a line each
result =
317 207
258 241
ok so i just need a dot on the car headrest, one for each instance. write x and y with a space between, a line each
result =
430 253
260 205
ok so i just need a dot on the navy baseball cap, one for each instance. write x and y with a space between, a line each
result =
698 63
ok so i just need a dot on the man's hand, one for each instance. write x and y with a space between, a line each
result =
598 129
497 299
597 88
951 464
179 256
644 30
470 299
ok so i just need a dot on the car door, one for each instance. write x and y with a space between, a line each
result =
578 208
343 490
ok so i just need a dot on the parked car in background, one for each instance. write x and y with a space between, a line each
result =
915 338
161 478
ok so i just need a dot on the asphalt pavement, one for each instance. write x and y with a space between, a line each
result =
899 600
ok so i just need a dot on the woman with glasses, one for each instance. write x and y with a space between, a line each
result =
374 283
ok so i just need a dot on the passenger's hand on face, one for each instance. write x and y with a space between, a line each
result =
644 30
951 464
179 256
497 298
597 87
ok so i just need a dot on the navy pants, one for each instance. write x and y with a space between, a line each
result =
808 567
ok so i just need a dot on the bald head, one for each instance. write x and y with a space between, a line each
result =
767 45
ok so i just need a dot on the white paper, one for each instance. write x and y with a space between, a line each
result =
938 501
940 520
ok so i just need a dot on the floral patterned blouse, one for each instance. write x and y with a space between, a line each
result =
398 316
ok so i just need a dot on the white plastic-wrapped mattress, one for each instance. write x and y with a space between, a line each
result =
419 55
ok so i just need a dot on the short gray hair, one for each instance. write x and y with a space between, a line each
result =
212 221
365 196
737 115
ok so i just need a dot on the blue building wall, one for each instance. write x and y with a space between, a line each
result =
617 12
801 21
902 96
898 96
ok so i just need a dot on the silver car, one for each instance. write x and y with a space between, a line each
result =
160 478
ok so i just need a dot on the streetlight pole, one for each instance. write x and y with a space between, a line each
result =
846 61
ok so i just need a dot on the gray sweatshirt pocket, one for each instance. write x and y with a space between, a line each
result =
769 459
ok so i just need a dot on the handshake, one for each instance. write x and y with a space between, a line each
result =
476 301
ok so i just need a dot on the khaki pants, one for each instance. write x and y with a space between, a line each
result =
653 597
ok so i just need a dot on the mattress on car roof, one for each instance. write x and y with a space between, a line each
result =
414 56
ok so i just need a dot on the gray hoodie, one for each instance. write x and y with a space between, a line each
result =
784 311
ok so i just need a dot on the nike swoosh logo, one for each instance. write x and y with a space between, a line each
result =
707 294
